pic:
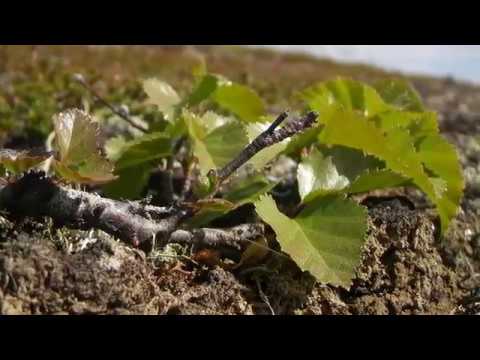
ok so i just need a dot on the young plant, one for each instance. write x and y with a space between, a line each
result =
354 138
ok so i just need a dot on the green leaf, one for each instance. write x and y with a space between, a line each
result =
325 238
395 147
203 186
144 150
305 139
209 210
176 129
375 180
329 97
317 176
130 183
239 192
215 148
239 100
202 91
349 162
401 94
441 158
396 104
388 124
417 124
249 189
359 172
254 253
77 143
18 162
211 121
163 96
114 148
439 186
226 142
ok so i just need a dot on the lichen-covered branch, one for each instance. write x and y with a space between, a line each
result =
36 196
268 138
136 223
238 237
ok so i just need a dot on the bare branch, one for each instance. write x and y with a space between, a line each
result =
136 223
36 196
268 138
238 237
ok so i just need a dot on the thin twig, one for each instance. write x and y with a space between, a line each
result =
268 138
81 80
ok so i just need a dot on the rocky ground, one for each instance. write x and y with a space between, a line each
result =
406 267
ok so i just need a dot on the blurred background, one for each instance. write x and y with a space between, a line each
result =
36 81
461 62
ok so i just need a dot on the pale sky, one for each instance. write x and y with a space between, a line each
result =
459 61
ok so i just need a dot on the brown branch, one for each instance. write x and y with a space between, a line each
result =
238 237
81 80
136 223
268 138
36 196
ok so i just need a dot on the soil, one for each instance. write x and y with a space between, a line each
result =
402 272
407 268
